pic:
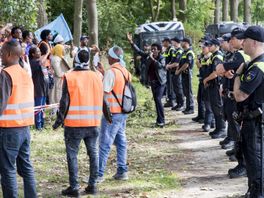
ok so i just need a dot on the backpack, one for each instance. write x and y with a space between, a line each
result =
129 99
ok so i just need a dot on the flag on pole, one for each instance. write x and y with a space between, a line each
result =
58 26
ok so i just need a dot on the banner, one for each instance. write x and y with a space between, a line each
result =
58 26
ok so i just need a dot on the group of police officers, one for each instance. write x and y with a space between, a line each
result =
230 95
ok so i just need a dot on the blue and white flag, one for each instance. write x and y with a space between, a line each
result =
58 26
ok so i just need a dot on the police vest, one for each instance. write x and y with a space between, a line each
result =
184 57
118 88
47 62
19 111
168 55
86 99
245 56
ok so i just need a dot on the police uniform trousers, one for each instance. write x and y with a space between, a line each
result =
169 87
178 90
187 89
200 100
251 148
209 116
217 106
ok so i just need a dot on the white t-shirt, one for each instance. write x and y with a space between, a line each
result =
109 81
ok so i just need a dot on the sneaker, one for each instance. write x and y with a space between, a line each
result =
167 104
229 145
100 179
122 176
70 192
232 158
225 141
180 108
206 128
230 152
188 112
238 171
161 125
91 190
219 134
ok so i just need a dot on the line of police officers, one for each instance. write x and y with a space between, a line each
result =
230 95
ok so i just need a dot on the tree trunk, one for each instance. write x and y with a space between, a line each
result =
92 21
247 11
42 16
182 6
225 10
234 10
173 10
77 26
154 14
217 12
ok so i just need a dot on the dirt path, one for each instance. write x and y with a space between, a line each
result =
205 173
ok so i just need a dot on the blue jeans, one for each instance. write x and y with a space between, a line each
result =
39 120
113 133
157 91
15 157
73 137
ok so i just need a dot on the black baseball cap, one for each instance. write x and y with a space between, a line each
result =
255 33
238 33
226 37
212 42
187 40
176 39
84 37
166 39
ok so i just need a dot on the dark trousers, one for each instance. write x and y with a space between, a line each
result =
39 119
209 116
169 87
157 91
200 100
187 89
233 126
217 107
73 137
251 147
178 90
15 158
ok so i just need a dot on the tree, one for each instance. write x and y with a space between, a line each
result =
234 10
247 11
225 10
183 7
42 18
173 10
217 11
77 26
155 9
92 21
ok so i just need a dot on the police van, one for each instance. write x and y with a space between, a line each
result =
150 33
217 30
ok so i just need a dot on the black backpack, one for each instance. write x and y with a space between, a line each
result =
129 99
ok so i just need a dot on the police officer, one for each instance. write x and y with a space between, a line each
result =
168 54
204 64
176 79
213 83
249 89
185 68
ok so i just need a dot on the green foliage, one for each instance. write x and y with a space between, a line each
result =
21 13
258 14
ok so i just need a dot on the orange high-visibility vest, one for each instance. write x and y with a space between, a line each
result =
86 99
47 62
19 111
118 87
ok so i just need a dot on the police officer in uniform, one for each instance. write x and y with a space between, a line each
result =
168 54
230 105
185 68
176 79
249 89
204 64
213 83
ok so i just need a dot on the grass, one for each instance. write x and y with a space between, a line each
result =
150 150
